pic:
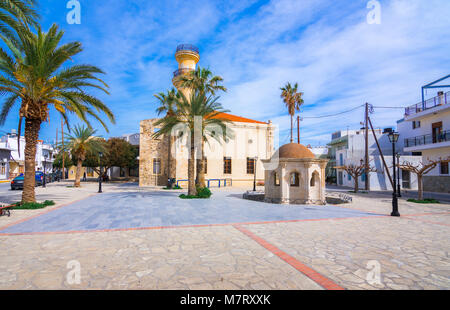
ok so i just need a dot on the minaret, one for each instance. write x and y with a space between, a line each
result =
187 57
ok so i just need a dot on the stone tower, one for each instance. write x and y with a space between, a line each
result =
187 57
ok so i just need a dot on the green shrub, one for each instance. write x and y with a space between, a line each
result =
426 200
32 205
202 193
174 187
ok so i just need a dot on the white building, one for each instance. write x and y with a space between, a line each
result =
44 155
351 151
5 155
425 130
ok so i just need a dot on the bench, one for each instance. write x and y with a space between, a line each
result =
4 210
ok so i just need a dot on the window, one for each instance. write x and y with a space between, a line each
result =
349 177
444 168
341 159
156 166
3 169
250 165
415 124
227 165
294 179
276 180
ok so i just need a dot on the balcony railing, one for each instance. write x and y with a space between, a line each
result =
428 104
182 71
187 47
428 139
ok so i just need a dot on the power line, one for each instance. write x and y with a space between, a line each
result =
331 115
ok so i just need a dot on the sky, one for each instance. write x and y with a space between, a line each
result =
339 60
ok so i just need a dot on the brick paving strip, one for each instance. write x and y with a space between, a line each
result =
310 273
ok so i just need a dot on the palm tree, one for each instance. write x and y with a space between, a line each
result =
81 142
33 75
168 102
293 100
197 108
203 81
15 15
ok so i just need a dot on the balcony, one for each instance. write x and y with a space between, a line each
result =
187 47
441 100
427 139
182 71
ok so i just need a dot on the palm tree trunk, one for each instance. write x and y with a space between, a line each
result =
78 173
32 128
191 169
292 128
169 158
201 168
419 187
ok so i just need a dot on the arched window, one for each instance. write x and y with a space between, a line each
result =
314 179
276 180
294 179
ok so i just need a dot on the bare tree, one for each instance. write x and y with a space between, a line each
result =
355 171
421 169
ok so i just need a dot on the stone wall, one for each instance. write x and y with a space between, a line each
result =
439 184
149 150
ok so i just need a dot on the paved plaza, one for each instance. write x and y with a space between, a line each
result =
146 238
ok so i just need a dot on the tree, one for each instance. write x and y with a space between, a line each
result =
197 108
203 81
293 100
81 142
116 153
422 169
15 15
168 103
33 75
57 163
355 171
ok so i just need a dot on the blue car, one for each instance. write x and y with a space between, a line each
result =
17 182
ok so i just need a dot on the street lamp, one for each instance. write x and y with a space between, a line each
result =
393 137
100 155
399 194
254 173
45 161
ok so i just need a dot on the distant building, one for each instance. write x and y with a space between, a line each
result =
5 156
425 130
233 160
44 155
348 148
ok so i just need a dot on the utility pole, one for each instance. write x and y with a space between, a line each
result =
366 161
62 149
298 129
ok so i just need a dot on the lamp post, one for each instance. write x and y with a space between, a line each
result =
399 194
100 177
45 161
254 173
393 137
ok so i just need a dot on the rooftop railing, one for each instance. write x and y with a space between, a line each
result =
187 47
428 139
182 71
428 104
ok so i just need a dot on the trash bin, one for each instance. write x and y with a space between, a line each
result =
170 182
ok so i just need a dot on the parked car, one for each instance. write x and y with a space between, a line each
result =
17 182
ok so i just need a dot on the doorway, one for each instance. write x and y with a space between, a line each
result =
437 132
406 179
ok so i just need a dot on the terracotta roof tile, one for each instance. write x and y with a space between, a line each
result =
235 118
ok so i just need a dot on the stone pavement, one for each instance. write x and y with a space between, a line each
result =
299 250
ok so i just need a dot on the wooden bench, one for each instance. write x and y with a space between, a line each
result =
4 210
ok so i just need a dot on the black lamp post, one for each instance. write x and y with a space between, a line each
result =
254 173
100 177
399 194
45 161
393 137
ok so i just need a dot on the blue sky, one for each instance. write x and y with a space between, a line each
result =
339 60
